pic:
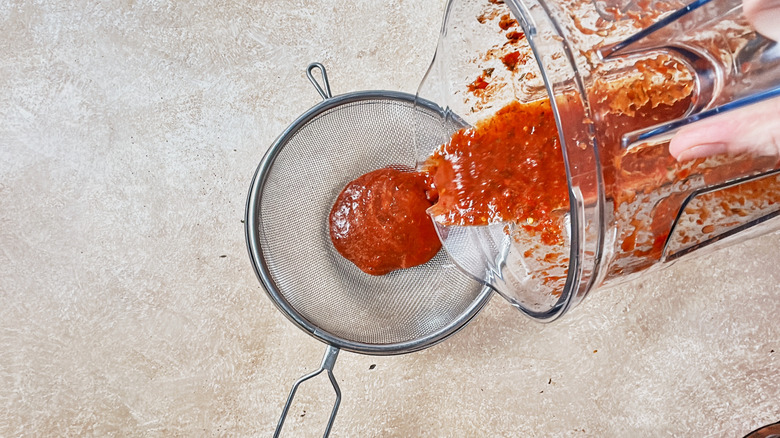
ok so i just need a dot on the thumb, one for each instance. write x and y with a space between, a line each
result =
764 15
754 129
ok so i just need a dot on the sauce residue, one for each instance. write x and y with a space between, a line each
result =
506 22
511 60
480 83
515 36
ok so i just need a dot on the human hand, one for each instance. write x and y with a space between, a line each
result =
764 15
755 129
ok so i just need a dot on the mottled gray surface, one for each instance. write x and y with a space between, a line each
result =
130 132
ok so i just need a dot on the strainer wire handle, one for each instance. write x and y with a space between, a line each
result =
324 92
331 354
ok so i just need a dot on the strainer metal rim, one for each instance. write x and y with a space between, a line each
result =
262 270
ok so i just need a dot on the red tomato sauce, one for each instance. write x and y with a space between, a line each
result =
379 221
508 168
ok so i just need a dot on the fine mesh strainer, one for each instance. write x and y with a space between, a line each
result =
289 243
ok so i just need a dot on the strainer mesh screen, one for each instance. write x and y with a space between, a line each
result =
311 168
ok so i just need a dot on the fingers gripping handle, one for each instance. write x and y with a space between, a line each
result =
328 361
727 77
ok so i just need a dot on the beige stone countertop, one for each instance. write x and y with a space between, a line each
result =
129 134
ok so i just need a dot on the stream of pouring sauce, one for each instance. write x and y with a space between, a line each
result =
507 168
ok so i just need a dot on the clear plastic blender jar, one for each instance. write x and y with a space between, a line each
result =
621 78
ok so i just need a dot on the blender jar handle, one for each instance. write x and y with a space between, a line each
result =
664 131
